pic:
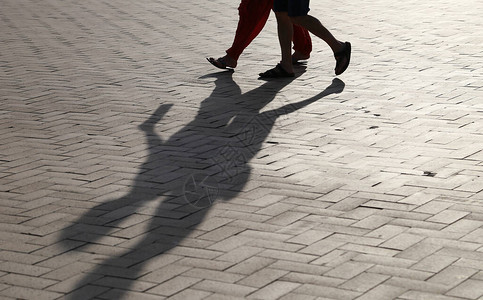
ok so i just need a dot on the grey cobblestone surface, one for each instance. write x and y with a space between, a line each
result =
130 168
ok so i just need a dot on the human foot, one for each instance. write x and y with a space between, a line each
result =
277 72
225 62
342 57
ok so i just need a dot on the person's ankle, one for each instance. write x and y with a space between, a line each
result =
340 47
288 67
230 61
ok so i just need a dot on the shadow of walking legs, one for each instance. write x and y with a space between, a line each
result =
205 160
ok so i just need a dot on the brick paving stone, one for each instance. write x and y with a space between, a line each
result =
13 256
368 249
309 237
417 285
214 275
230 243
274 290
471 289
387 231
419 250
313 279
195 252
463 225
4 286
383 291
287 218
335 258
447 216
294 296
434 263
322 247
296 228
255 226
372 222
130 295
278 237
452 276
370 189
213 223
469 263
324 291
349 269
214 296
161 274
251 265
29 293
365 240
27 281
24 269
262 278
402 241
475 236
299 267
275 209
348 204
205 263
285 255
116 282
456 245
364 282
401 272
87 292
417 295
384 260
190 294
236 290
433 234
174 285
478 276
419 199
68 285
239 254
410 217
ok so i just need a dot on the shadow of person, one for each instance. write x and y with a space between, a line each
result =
205 161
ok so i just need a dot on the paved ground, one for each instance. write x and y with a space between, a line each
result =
132 169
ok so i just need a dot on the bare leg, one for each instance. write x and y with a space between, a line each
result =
285 33
341 50
314 26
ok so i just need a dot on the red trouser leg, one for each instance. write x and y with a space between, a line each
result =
301 40
253 16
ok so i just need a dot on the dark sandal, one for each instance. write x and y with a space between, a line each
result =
277 72
219 63
342 58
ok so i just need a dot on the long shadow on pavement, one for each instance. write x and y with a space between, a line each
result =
206 161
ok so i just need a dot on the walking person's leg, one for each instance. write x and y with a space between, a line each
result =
253 15
296 12
285 34
341 50
302 44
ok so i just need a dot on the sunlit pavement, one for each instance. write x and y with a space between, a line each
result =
131 168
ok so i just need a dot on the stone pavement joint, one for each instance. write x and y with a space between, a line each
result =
130 168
